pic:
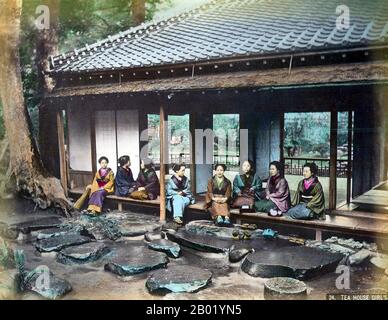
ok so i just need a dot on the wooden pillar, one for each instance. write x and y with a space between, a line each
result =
350 163
62 155
163 143
192 154
93 141
333 159
281 137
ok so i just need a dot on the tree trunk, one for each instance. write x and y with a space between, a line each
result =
27 169
137 8
47 45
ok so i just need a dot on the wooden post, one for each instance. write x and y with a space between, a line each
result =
93 141
281 146
350 163
162 164
333 159
192 154
62 155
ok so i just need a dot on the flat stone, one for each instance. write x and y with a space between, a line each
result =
284 288
236 255
380 262
205 227
56 287
182 278
84 253
200 242
172 249
150 236
360 257
37 224
55 232
60 242
295 262
135 259
215 244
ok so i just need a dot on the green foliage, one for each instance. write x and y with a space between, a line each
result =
80 23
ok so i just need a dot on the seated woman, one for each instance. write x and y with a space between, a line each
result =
102 185
124 182
277 199
178 193
246 187
219 193
308 201
147 185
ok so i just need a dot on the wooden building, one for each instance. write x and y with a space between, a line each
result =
258 59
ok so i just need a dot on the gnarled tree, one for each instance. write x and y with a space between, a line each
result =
30 177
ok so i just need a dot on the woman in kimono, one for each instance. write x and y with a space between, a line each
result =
102 185
147 185
246 186
124 182
277 194
308 201
219 193
178 193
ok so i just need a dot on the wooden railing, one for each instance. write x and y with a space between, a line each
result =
294 166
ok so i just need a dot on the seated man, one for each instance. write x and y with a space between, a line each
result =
308 201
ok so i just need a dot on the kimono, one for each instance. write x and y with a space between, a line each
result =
308 203
214 189
177 203
277 196
150 181
246 190
124 182
102 185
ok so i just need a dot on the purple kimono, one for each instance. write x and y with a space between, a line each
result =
150 181
278 192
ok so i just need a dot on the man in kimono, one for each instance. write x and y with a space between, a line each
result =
178 193
309 200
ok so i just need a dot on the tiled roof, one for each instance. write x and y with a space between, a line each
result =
234 28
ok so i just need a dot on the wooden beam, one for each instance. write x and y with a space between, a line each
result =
350 163
163 142
62 155
281 146
93 141
192 154
333 159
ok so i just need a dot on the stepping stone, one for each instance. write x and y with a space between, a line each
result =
135 259
54 232
360 257
284 288
200 242
380 262
150 236
37 224
172 249
60 242
236 255
205 227
83 253
295 262
55 288
181 278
